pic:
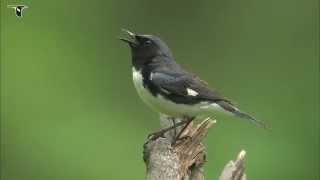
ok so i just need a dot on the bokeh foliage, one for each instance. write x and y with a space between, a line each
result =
69 109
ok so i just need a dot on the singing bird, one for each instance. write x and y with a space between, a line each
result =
168 88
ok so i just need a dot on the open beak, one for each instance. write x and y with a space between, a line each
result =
130 39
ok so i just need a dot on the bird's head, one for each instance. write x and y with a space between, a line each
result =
145 47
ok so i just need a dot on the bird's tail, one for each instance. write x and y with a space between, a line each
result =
235 111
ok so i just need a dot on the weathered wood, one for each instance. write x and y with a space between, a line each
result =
168 158
234 170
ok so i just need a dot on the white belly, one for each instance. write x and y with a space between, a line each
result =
162 105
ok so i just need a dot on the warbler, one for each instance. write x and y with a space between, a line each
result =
168 88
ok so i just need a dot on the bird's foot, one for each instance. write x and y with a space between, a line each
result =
180 136
158 134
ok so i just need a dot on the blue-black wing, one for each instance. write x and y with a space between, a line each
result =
185 85
189 89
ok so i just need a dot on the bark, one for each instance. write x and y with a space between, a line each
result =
169 158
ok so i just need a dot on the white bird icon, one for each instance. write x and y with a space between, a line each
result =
18 9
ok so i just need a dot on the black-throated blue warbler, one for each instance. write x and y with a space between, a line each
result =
168 88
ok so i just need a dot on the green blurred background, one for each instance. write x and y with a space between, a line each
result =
69 110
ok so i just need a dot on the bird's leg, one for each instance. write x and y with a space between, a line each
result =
174 123
188 120
160 133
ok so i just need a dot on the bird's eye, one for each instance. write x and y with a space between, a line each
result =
147 42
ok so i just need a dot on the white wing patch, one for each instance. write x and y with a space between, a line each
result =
192 92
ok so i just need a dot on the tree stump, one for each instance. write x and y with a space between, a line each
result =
169 158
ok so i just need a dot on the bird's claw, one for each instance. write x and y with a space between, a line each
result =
155 135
